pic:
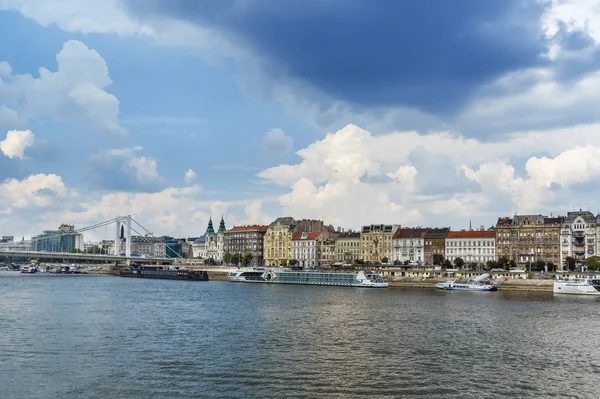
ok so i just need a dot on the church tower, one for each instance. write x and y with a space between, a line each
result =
221 238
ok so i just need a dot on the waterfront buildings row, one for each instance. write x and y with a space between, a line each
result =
521 240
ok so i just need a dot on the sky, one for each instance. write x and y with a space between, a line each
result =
356 112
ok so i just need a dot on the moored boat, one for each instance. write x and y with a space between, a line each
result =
477 284
188 275
360 279
28 269
577 286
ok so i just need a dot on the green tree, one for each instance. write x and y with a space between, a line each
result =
447 264
592 263
512 264
503 262
406 262
459 262
438 259
227 258
551 266
247 258
539 265
235 259
397 262
384 259
570 263
360 262
491 264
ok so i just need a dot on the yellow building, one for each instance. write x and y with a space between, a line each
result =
347 248
526 239
278 242
376 242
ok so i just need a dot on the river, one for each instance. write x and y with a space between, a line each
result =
93 336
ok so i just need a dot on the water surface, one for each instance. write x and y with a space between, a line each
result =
111 337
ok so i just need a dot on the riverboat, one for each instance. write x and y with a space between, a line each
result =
360 279
476 284
188 275
577 286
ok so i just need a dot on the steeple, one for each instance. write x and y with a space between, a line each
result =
209 229
470 226
222 228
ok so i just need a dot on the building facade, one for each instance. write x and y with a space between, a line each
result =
214 242
326 250
65 238
347 248
305 249
525 239
278 242
472 246
376 242
242 239
409 246
578 236
435 243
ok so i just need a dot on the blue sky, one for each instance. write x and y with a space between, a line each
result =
356 112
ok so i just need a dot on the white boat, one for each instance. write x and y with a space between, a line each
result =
577 286
28 269
477 284
360 279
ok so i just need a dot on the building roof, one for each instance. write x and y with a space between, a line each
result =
353 235
472 234
536 220
248 228
587 216
222 228
437 232
210 229
304 235
384 228
410 233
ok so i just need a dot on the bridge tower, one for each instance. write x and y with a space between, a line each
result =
126 222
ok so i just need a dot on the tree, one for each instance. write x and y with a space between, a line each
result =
406 262
293 262
491 264
247 258
360 262
438 259
384 260
459 262
473 265
512 264
235 259
592 263
570 263
503 262
397 262
551 266
447 264
539 265
227 258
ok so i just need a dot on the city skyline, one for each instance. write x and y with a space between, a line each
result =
173 113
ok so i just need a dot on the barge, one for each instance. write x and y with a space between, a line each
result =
360 279
188 275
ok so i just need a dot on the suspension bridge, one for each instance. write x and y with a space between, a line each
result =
67 245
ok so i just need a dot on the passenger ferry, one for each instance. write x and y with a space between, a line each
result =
360 279
475 285
577 286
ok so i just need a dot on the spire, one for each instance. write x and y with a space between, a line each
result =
222 228
210 229
470 226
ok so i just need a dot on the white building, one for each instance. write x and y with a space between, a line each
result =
409 246
473 246
214 242
578 236
304 248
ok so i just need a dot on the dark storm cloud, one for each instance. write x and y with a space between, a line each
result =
429 55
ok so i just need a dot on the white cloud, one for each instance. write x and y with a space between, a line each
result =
276 142
122 169
352 177
35 191
16 142
75 92
190 176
